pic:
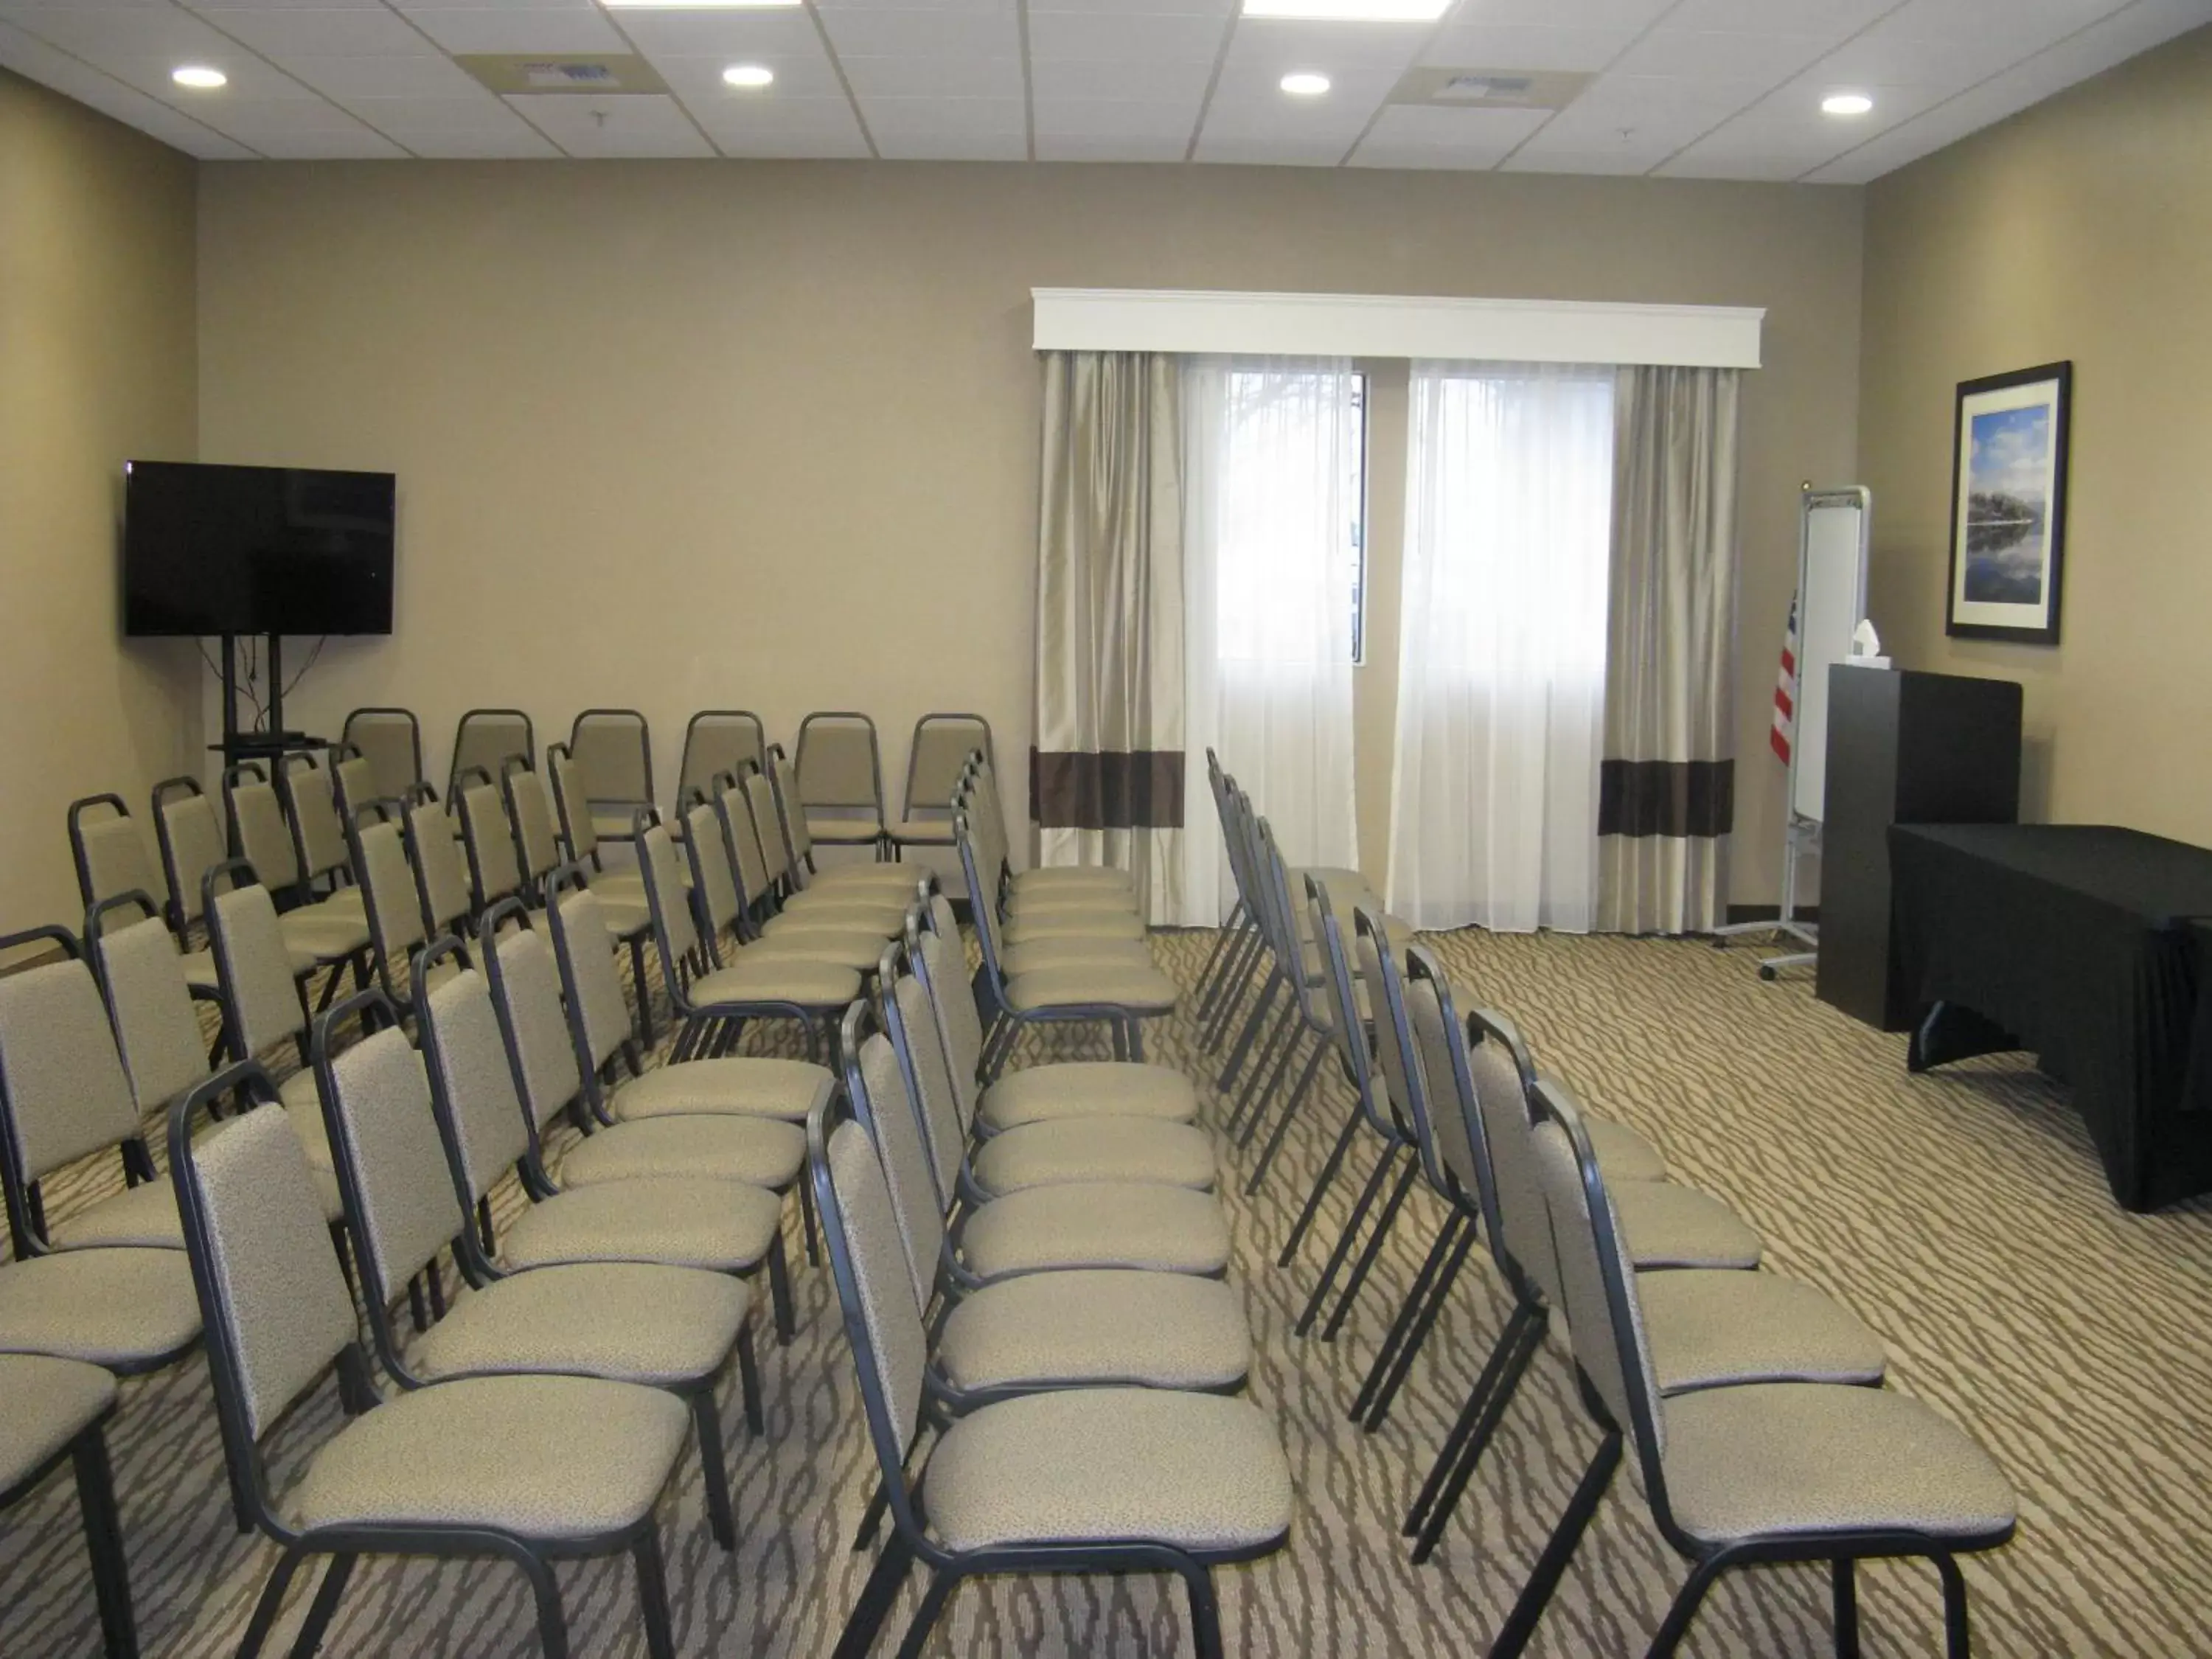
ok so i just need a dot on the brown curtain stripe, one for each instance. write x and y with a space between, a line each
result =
1106 790
1666 797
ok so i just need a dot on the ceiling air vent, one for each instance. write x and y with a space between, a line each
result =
1485 89
512 74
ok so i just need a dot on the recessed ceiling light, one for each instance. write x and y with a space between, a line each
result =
1305 86
1847 103
748 75
1351 11
199 78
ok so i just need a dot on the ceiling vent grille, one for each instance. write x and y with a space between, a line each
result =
1488 88
520 74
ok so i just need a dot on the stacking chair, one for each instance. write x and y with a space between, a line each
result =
1088 1480
441 867
935 759
192 841
685 1221
529 809
333 931
676 1328
712 1004
872 898
613 754
56 1409
622 892
527 1469
495 871
391 741
110 860
719 900
1783 1471
763 911
309 797
64 1097
841 779
796 827
719 740
1058 883
390 888
483 738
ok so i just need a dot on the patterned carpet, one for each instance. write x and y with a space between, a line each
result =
1961 1215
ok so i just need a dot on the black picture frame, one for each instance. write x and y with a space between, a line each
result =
2009 459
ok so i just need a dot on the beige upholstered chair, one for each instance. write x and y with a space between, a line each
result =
440 866
792 822
391 741
333 928
309 796
486 836
548 817
112 859
841 779
1058 884
193 842
524 1469
397 925
1784 1471
718 741
485 737
1072 1481
936 757
765 911
612 751
873 900
56 1411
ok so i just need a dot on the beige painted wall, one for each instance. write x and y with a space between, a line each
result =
2080 229
97 367
677 433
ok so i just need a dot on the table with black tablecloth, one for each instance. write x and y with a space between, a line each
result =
2085 943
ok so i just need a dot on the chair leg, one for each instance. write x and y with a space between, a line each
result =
415 1307
1486 1409
942 1583
652 1594
1249 954
1687 1602
1323 1181
871 1518
1283 1124
876 1597
808 1228
1136 1043
1958 1639
644 990
552 1623
720 1523
1352 1224
272 1598
1558 1550
1401 1327
1273 1053
103 1537
326 1604
748 1381
1249 1035
1439 1298
779 1290
1365 1265
1205 1615
1843 1580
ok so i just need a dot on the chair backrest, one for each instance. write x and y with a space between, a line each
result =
63 1089
389 893
1341 1014
526 991
110 854
883 1322
319 841
839 764
720 740
983 910
275 1305
768 828
480 1115
485 738
192 843
1499 1072
494 872
441 875
741 840
790 815
937 958
258 820
391 743
157 1031
354 783
912 1026
1454 1119
262 1005
397 1187
530 813
876 1088
587 953
674 933
936 757
714 880
578 832
1605 1319
613 752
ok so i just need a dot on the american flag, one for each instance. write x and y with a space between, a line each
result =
1785 688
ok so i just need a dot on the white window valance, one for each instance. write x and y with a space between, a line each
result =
1395 325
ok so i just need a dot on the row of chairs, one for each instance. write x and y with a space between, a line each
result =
1753 1404
838 757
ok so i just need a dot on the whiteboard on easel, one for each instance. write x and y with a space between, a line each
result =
1831 576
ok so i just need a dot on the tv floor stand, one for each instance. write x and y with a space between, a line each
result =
242 743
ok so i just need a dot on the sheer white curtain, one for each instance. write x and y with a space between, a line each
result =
1271 481
1501 691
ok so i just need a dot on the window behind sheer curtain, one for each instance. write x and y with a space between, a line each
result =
1274 486
1501 667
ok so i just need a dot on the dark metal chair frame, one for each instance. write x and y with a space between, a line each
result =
357 1391
644 748
909 806
347 740
394 812
460 731
684 778
86 1452
162 792
342 875
880 840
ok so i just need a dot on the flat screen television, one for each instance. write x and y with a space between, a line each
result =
255 549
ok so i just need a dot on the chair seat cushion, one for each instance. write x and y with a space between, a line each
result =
1039 954
858 952
1108 1225
923 832
125 1310
1075 901
50 1402
1094 1149
855 831
1714 1328
881 880
1075 877
878 917
1664 1226
1196 1472
199 969
1088 1088
774 979
325 938
623 886
145 1214
807 930
628 1322
541 1457
1096 1329
303 1104
627 913
1622 1153
1803 1457
683 1221
741 1087
1072 924
1141 990
757 1151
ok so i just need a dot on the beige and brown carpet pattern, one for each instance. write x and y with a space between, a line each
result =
1962 1215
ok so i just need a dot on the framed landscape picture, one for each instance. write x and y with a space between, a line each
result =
2008 505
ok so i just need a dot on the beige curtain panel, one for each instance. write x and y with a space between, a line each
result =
1666 778
1106 775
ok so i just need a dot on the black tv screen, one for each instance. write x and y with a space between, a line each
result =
255 549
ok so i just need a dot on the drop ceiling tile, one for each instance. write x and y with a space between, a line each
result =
1124 38
486 28
279 32
924 33
522 142
911 77
1706 54
482 114
1221 10
1618 15
1250 84
2040 21
495 5
972 8
1072 79
1098 118
1293 44
360 145
628 125
792 118
1890 60
251 79
97 31
1835 20
29 56
781 147
952 146
700 79
426 76
706 33
252 119
964 117
1488 46
1426 137
1263 152
1626 161
1063 148
1653 111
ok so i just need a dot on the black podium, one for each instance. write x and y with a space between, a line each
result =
1904 747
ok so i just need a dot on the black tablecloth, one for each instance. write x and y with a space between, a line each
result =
2081 942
